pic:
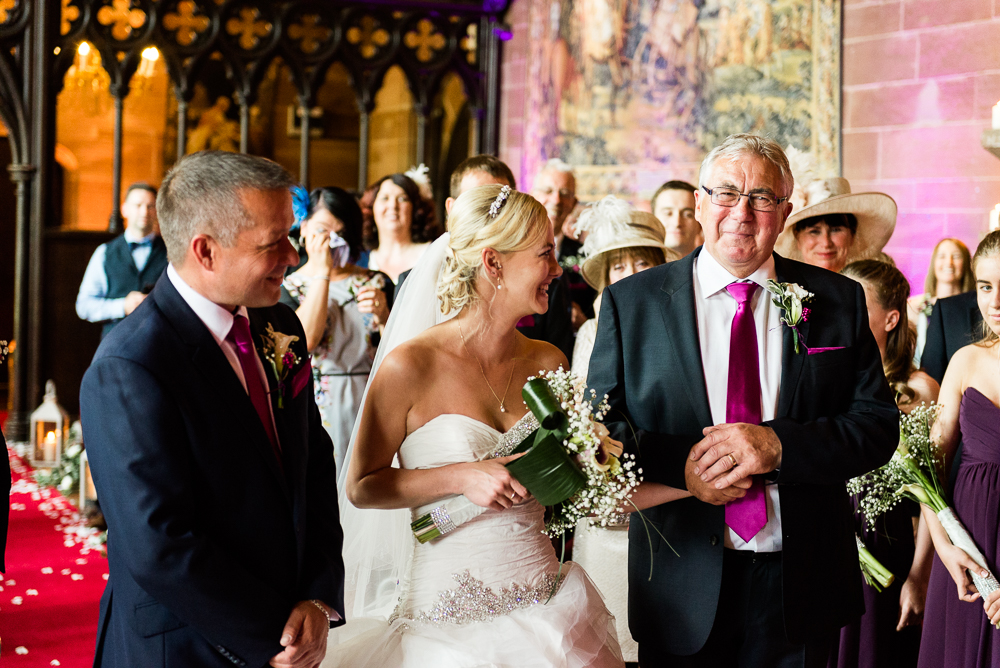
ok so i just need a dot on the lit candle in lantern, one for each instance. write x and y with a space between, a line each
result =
50 446
996 116
995 218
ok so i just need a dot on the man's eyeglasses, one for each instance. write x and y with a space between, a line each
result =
730 197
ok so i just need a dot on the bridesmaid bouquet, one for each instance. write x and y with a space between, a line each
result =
876 575
571 463
914 472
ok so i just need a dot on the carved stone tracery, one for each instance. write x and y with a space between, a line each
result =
39 40
186 22
122 18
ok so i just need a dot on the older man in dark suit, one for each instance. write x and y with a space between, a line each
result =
761 423
213 468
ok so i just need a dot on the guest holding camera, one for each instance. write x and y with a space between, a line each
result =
342 306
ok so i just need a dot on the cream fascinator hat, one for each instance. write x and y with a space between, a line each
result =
612 224
812 197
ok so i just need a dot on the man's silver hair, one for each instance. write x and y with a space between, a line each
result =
741 145
556 165
201 195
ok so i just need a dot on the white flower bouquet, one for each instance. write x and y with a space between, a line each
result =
571 463
914 472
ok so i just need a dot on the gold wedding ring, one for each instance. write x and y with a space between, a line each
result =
376 303
733 460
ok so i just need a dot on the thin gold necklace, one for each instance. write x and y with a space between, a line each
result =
483 371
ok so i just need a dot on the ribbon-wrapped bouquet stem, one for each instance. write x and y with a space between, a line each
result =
914 472
570 463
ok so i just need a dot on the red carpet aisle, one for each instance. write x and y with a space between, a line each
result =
50 595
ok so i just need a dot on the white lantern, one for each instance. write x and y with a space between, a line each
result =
49 430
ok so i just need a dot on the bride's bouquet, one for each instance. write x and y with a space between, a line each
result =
571 463
914 473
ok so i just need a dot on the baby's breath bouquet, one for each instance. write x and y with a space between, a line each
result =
610 474
570 461
914 472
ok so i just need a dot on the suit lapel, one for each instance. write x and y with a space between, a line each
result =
791 362
216 373
289 433
680 320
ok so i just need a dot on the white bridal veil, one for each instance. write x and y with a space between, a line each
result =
378 544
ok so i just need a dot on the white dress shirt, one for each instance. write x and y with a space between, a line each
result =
716 309
218 321
92 302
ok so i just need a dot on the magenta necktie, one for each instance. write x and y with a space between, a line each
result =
240 337
748 515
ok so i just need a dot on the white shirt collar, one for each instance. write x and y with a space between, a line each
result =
217 319
713 277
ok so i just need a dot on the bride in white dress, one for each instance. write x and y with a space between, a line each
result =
442 410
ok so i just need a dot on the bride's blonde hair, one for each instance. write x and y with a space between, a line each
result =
519 223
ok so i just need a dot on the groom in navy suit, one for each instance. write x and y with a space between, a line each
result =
209 455
706 385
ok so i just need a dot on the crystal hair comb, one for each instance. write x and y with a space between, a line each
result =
499 201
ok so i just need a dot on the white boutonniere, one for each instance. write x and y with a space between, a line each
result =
277 351
790 297
926 306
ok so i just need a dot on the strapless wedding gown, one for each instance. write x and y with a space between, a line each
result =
484 595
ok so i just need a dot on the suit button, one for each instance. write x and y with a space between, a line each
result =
714 540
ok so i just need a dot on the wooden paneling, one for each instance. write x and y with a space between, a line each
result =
68 342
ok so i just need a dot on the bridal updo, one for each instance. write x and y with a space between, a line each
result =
520 222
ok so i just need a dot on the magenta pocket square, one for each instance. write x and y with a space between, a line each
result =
816 351
301 378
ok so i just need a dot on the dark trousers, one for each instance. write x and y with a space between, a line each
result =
749 630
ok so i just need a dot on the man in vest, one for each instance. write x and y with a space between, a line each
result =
122 271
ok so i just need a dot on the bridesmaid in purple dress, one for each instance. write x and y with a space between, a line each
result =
888 634
957 633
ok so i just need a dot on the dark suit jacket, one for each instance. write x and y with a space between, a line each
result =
953 324
5 511
836 419
211 542
576 288
555 325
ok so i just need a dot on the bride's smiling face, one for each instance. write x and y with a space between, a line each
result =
526 275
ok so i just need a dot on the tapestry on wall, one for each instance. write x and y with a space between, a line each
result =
634 92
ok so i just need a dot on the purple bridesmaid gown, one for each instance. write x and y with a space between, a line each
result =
957 634
872 641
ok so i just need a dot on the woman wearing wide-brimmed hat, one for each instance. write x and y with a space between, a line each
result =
620 241
835 226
